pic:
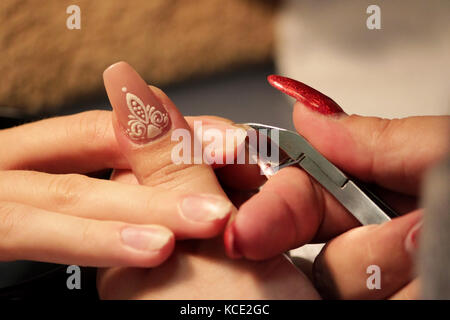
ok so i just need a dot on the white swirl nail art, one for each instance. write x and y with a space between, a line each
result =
145 121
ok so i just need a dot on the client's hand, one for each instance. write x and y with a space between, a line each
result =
144 120
56 214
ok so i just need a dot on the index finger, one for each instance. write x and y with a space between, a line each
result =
391 153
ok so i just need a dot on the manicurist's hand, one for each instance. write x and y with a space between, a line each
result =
145 120
50 211
292 209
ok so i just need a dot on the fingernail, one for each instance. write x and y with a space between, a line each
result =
145 239
231 247
141 115
222 127
310 97
232 140
412 238
205 208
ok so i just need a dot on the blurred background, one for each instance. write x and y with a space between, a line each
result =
213 56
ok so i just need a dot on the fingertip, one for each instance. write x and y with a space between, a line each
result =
164 253
204 230
203 215
159 93
155 259
283 215
262 229
146 246
113 67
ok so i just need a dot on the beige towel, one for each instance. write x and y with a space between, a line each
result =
44 65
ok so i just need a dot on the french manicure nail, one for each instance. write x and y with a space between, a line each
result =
310 97
145 239
205 208
141 115
412 238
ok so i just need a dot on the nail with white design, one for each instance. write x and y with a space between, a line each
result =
142 117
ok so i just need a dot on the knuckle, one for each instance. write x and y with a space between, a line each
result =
4 176
382 132
66 190
87 234
10 217
379 141
8 214
93 126
170 175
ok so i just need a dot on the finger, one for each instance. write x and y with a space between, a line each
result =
29 233
302 210
409 292
145 128
290 210
241 176
370 262
141 137
237 197
80 143
391 153
231 174
233 134
124 176
187 214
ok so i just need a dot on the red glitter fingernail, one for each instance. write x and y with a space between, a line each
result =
310 97
231 247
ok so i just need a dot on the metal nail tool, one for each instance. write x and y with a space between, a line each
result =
356 198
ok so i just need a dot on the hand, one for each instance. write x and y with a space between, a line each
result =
292 209
51 212
196 269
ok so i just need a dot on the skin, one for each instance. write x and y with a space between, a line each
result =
196 269
52 212
291 194
84 143
395 155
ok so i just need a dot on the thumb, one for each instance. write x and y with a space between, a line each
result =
143 125
391 153
145 122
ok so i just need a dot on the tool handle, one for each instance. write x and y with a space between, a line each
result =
363 204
